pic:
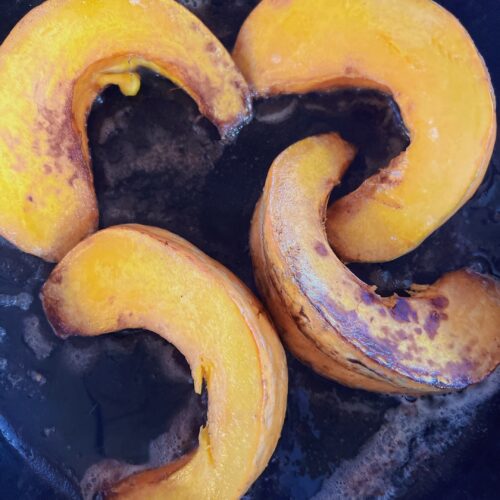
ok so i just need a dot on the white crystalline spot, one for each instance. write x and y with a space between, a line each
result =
48 431
35 339
135 2
22 301
38 377
276 59
396 174
3 334
434 133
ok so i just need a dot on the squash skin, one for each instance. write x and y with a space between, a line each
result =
420 54
141 277
55 62
443 338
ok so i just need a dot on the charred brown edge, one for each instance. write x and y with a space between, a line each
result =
457 383
273 278
50 306
270 272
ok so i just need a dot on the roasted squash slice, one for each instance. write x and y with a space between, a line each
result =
141 277
442 338
421 55
52 66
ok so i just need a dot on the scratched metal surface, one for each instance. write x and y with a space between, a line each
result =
66 406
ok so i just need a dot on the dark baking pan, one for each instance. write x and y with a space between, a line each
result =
66 406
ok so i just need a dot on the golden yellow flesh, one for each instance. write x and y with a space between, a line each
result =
52 65
419 53
140 277
444 337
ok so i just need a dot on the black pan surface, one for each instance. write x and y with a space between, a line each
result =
73 412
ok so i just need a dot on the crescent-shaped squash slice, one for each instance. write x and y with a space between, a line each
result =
421 55
444 337
52 66
141 277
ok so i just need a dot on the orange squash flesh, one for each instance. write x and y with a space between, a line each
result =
420 54
52 65
141 277
444 337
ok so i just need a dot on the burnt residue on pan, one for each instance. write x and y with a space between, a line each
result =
68 405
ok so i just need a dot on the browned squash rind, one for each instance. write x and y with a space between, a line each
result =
444 337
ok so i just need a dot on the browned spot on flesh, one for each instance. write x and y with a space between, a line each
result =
74 153
211 47
387 179
391 345
124 318
195 27
461 372
10 140
30 198
368 297
440 302
36 146
122 321
432 323
402 335
403 312
72 179
19 166
56 277
349 324
320 249
205 94
301 318
64 143
418 330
